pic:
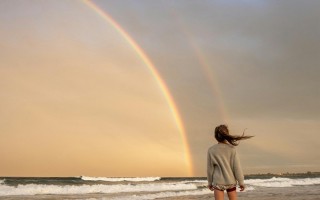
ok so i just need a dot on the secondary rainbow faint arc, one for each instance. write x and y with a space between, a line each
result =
155 73
212 79
205 66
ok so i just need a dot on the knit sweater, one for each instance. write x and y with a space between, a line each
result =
223 165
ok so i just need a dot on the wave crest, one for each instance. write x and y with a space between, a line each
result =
32 189
133 179
282 182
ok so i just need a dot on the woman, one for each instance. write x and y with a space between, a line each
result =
223 166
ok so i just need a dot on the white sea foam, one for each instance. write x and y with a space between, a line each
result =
153 189
282 182
32 189
194 181
163 195
133 179
2 181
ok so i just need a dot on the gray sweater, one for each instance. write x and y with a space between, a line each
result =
223 165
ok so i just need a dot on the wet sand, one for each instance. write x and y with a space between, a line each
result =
260 193
285 193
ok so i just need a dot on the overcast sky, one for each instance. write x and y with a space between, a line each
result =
76 99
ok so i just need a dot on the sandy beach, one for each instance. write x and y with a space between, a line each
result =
292 193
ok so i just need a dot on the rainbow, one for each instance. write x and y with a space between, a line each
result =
155 73
206 69
212 80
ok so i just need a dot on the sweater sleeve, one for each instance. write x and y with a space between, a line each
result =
210 169
237 170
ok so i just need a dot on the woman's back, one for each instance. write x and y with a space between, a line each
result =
223 169
224 165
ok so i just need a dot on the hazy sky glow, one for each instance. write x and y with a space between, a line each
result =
78 99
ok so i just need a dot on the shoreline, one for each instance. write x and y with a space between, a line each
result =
256 175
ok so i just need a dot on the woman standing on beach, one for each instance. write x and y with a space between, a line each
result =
223 165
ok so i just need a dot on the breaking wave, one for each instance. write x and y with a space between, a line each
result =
32 189
164 195
134 179
282 182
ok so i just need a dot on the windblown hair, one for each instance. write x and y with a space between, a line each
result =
221 133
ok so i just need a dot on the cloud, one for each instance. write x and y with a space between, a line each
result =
262 54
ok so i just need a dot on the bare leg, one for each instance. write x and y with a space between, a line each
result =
232 195
218 194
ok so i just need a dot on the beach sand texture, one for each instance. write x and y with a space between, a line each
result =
286 193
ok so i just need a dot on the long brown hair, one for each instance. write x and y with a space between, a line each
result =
221 133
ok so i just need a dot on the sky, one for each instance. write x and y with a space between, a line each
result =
78 96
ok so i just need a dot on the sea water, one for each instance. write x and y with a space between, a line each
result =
145 188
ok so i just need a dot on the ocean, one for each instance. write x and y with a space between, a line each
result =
146 188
